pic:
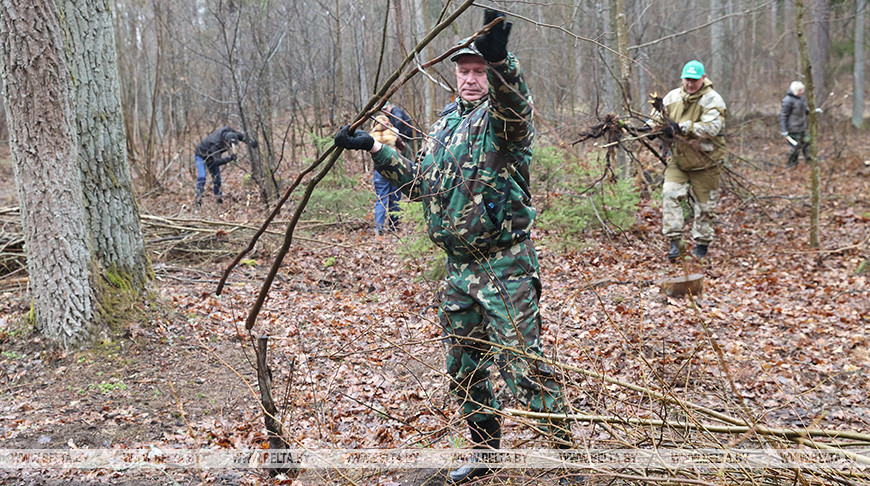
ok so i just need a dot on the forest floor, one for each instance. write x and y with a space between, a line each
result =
780 338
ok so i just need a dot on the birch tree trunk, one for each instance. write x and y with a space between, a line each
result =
42 137
858 73
110 206
814 146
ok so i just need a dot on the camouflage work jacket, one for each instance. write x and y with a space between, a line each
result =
473 172
701 116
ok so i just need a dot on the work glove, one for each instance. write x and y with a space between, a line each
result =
253 143
226 160
671 128
493 45
356 140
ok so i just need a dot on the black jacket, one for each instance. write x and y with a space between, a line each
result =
402 121
217 143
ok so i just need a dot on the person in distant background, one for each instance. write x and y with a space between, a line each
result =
209 156
793 123
394 125
402 122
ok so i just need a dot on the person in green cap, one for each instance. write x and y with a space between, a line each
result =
472 176
694 124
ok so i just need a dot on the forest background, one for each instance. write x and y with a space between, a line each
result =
777 341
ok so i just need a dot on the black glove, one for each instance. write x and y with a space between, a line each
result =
356 140
226 160
493 45
253 143
671 128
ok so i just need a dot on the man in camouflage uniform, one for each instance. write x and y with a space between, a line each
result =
695 124
473 178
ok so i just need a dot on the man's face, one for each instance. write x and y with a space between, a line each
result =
693 85
471 78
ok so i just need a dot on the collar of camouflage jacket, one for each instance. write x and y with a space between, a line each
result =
466 106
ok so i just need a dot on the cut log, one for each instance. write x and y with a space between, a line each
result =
683 285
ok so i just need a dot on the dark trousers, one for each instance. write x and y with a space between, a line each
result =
203 165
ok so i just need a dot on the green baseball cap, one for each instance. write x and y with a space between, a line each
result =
468 50
693 70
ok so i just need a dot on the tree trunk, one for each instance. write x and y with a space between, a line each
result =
608 93
110 206
261 170
622 39
149 161
359 27
721 45
44 149
858 72
820 47
814 147
421 18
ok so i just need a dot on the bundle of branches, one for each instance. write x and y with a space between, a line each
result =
611 128
615 132
12 258
652 433
200 239
186 239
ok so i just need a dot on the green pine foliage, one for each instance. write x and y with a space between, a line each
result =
341 196
581 194
416 247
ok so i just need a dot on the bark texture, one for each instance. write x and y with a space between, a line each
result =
43 144
858 71
820 46
815 173
111 210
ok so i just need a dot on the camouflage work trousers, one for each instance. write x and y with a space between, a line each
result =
487 307
705 187
803 145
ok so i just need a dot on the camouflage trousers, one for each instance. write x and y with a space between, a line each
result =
803 145
705 187
487 307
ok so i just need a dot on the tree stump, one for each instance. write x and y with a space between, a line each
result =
677 287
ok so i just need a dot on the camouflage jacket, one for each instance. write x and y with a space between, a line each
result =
701 116
473 172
